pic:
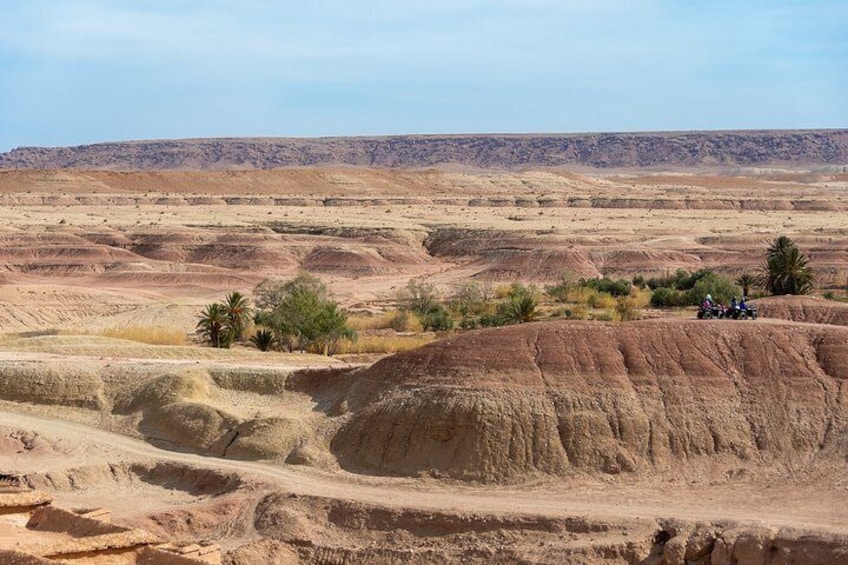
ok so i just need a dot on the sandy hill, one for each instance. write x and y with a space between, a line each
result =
597 150
553 398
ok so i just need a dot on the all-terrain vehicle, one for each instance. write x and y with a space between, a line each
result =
719 312
710 312
737 314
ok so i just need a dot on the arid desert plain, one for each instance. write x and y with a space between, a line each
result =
660 440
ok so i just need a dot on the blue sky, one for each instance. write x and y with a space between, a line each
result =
84 71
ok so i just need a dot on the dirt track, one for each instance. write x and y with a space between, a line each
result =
796 506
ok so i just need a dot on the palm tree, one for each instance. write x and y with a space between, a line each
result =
520 306
238 311
263 339
746 281
213 324
787 269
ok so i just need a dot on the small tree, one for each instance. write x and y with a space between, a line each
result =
238 312
746 281
213 324
301 315
331 322
720 287
420 297
470 299
786 269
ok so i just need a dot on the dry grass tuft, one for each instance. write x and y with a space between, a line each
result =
591 298
397 320
385 344
148 335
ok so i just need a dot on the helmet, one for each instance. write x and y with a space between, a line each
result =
709 297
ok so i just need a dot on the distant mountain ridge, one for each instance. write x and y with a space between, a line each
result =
765 148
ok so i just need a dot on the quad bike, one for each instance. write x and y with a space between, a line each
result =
710 312
721 312
737 314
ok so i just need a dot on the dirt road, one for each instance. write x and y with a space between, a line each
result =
797 506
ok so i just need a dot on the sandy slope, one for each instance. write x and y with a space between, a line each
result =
797 505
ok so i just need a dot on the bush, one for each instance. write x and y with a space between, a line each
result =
301 315
601 300
567 291
603 316
490 320
720 287
263 339
680 280
626 309
470 299
521 305
689 289
419 297
560 292
639 282
667 298
618 287
438 319
469 323
402 321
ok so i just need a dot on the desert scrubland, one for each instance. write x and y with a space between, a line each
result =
661 440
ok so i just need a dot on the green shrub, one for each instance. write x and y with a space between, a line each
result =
419 297
667 298
301 315
469 323
521 305
618 287
263 339
438 319
488 320
470 298
720 287
680 280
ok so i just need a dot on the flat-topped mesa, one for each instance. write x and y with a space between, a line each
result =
487 151
554 398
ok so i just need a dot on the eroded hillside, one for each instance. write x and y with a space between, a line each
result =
644 397
104 248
